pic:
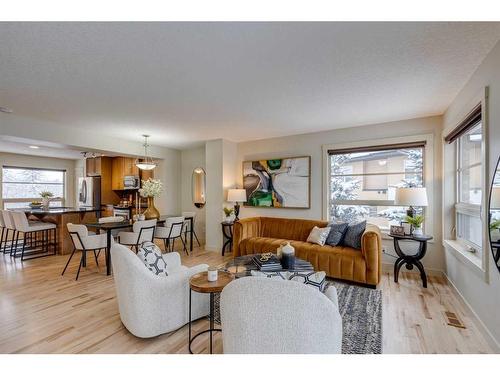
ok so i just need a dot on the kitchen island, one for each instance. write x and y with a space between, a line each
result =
62 216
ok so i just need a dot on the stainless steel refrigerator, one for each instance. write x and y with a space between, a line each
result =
89 192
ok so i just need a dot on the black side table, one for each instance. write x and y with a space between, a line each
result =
411 260
227 233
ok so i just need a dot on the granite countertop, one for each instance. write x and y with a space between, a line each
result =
57 210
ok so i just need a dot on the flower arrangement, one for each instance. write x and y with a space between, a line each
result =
416 221
228 211
46 194
151 188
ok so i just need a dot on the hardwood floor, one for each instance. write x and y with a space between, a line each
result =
43 312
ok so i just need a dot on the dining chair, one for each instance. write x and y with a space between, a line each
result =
8 226
187 224
83 241
141 231
170 231
28 229
112 219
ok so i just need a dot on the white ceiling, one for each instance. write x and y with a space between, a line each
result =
184 83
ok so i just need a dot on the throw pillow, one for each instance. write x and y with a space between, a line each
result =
337 232
150 254
353 235
313 279
318 235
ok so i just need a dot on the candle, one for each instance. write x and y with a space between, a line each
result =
212 274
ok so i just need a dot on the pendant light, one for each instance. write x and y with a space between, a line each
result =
146 163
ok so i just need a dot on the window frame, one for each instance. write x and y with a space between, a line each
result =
478 265
428 174
462 208
28 200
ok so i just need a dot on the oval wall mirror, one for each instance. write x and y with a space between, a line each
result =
494 216
198 188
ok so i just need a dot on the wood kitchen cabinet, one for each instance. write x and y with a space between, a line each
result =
145 175
93 167
122 167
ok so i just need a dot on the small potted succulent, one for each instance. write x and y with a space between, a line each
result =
228 211
46 195
416 222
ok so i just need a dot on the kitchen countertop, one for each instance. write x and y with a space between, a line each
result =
57 210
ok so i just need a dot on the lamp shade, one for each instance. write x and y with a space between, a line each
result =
236 195
495 198
411 197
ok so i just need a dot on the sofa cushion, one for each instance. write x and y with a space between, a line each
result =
337 232
151 256
352 237
318 235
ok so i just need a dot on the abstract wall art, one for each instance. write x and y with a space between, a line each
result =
278 183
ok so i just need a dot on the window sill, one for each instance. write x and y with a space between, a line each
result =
470 260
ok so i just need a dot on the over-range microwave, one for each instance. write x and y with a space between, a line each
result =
131 182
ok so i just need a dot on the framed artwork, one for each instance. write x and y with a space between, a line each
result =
278 183
397 230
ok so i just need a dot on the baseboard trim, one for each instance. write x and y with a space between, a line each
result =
482 327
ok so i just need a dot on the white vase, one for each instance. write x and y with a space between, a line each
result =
418 232
45 202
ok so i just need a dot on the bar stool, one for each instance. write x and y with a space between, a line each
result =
187 227
28 229
171 230
141 231
84 242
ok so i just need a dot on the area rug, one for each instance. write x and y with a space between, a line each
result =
361 312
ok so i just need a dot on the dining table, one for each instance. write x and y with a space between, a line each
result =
109 227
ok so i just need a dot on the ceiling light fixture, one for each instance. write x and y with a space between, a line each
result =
146 163
6 110
34 147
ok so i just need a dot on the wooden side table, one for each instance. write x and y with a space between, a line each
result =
411 260
227 233
199 283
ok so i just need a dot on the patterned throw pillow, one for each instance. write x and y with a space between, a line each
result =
337 232
353 235
311 278
318 235
150 254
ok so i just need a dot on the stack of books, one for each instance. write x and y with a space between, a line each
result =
271 263
302 265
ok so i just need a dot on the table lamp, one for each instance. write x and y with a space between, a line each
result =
409 197
236 196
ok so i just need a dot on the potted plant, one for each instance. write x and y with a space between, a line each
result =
416 222
151 188
228 211
46 195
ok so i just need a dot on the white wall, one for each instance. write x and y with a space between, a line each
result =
482 295
19 160
191 159
311 144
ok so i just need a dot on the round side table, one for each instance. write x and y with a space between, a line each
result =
200 284
411 260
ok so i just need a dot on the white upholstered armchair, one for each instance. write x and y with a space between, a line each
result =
151 305
264 315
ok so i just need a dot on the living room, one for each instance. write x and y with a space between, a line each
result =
249 188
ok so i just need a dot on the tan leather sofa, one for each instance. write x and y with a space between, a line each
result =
265 234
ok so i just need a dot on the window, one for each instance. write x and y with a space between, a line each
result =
469 188
362 181
20 186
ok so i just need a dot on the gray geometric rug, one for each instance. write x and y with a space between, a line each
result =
361 312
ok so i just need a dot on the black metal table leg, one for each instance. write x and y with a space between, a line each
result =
411 260
212 321
108 252
191 227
